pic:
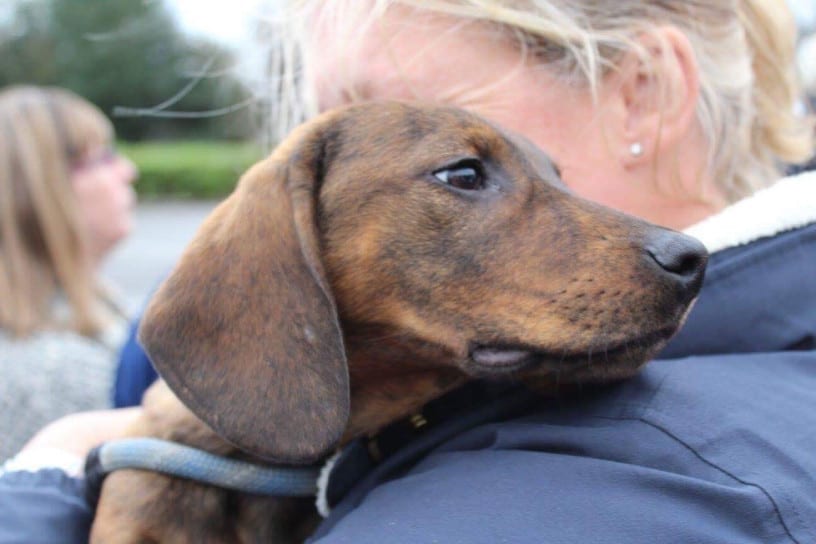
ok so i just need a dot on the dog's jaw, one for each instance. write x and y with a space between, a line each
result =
374 407
384 390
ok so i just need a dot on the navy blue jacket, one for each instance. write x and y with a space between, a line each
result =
714 442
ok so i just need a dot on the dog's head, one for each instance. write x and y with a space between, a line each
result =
425 226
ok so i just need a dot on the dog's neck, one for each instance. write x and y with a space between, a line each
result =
376 404
392 379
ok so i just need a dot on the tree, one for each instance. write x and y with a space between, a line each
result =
121 53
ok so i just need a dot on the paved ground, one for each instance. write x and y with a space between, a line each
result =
162 229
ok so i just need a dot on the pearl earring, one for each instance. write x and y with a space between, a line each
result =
636 149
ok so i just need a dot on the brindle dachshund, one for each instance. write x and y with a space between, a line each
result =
383 255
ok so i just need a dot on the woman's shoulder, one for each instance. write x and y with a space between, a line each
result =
685 439
56 363
51 347
47 375
759 294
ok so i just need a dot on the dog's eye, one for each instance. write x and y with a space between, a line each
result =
466 175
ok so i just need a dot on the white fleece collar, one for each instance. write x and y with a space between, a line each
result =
788 204
322 499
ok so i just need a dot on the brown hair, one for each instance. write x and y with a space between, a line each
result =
42 247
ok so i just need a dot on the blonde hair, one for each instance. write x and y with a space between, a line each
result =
42 246
745 50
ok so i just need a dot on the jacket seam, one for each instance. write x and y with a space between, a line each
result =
716 467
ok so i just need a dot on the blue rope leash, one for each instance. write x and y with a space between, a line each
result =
185 462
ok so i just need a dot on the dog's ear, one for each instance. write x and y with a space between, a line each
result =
245 330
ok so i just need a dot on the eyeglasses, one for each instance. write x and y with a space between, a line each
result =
100 158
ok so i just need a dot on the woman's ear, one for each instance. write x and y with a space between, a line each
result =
658 96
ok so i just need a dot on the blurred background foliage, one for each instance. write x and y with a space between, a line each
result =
190 169
131 59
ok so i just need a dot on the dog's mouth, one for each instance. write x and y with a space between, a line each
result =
497 359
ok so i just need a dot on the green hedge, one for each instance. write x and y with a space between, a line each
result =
189 169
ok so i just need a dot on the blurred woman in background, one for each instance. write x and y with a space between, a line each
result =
65 202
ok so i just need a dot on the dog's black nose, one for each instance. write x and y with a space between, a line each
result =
682 256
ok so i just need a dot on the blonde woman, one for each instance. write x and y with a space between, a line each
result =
65 202
678 112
